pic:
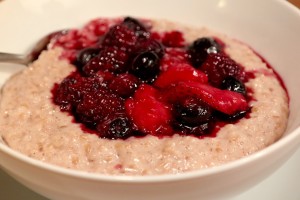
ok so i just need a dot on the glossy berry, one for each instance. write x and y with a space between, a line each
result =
132 81
120 36
174 57
179 73
219 66
173 39
222 100
233 117
68 93
105 77
200 130
85 55
124 85
233 84
149 114
150 45
111 59
98 105
200 48
115 128
192 112
145 65
135 25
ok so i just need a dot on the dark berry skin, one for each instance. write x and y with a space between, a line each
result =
145 65
111 59
201 130
135 25
233 84
200 48
85 55
115 128
231 118
218 66
192 112
124 85
98 105
113 91
121 37
150 45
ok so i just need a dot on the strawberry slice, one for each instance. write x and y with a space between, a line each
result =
147 112
224 101
178 73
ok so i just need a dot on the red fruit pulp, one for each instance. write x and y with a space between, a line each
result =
111 100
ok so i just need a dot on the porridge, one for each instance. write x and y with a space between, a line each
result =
143 98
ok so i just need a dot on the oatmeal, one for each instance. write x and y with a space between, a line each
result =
145 123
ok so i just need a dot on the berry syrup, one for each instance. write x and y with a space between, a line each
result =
131 81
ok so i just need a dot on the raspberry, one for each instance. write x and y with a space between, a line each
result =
110 59
98 105
174 57
67 94
173 39
120 36
72 89
150 45
105 77
219 66
189 90
124 85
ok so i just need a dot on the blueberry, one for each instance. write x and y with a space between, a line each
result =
146 65
85 55
135 25
192 112
200 48
150 45
201 130
231 118
119 127
124 85
233 84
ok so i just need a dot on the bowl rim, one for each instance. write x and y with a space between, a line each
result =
286 140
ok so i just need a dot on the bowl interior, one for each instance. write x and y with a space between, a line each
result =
279 45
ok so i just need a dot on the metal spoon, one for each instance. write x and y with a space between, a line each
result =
25 59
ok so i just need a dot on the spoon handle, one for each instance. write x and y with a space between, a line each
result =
12 58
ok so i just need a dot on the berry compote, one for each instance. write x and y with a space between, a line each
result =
131 81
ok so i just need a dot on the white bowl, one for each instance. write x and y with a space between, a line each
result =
271 27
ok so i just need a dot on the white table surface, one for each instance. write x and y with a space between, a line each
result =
284 184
